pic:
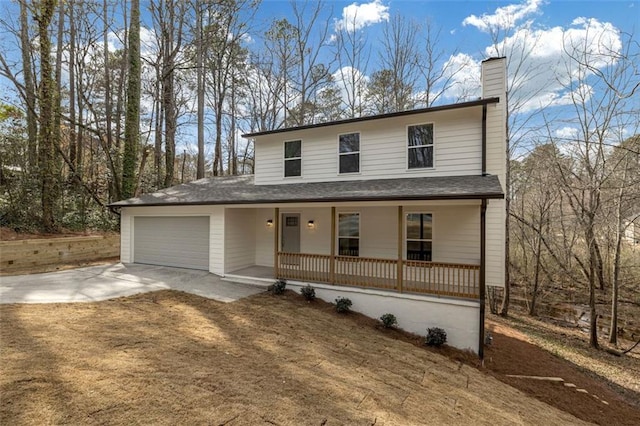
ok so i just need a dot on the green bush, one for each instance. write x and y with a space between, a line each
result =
435 337
308 292
389 320
278 287
343 305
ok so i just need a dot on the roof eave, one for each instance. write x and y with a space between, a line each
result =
479 102
485 196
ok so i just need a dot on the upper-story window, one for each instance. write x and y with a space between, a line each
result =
292 158
349 153
420 146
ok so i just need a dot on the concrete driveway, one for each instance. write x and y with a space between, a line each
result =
109 281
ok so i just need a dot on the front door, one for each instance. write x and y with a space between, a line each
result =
290 239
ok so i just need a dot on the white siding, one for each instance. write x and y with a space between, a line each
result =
239 238
494 84
383 149
456 232
216 239
125 236
378 232
317 240
495 249
264 237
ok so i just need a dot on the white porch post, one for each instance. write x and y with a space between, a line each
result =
276 233
332 261
400 269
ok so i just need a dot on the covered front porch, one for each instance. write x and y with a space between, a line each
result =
423 248
432 278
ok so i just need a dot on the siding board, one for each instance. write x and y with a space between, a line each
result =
383 149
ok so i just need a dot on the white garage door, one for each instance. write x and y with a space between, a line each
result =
181 242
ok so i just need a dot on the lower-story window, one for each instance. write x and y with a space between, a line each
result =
420 236
349 234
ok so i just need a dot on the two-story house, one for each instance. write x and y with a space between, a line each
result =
402 213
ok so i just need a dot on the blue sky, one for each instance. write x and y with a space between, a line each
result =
464 36
450 15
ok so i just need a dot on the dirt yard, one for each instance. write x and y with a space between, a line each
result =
169 357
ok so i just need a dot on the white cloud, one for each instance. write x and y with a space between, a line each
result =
566 133
504 17
541 71
357 16
352 82
464 72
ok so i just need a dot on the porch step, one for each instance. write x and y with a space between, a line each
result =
240 279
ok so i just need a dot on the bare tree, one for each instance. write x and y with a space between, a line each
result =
399 59
352 53
43 14
198 29
225 30
132 117
602 83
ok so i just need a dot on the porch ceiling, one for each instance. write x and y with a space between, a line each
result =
242 190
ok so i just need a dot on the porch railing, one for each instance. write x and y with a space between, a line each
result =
447 279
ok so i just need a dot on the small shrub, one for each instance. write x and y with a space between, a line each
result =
308 292
435 337
343 305
389 320
278 287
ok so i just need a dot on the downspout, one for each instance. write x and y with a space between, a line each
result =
483 243
483 238
484 139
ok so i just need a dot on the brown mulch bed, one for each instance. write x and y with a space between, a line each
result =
169 357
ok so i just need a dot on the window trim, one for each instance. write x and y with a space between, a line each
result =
432 144
337 242
285 159
359 152
406 239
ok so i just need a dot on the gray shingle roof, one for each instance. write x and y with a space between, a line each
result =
242 190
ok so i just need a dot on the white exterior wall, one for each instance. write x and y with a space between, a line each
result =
239 239
456 231
494 84
216 229
383 149
495 245
264 237
415 313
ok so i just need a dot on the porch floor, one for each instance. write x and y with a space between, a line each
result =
255 271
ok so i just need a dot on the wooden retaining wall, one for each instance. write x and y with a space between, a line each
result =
24 255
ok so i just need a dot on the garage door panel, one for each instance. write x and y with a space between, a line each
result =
181 241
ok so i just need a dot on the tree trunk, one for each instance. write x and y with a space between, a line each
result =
114 184
620 229
132 118
504 309
159 121
593 322
72 86
46 140
29 86
200 89
536 277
